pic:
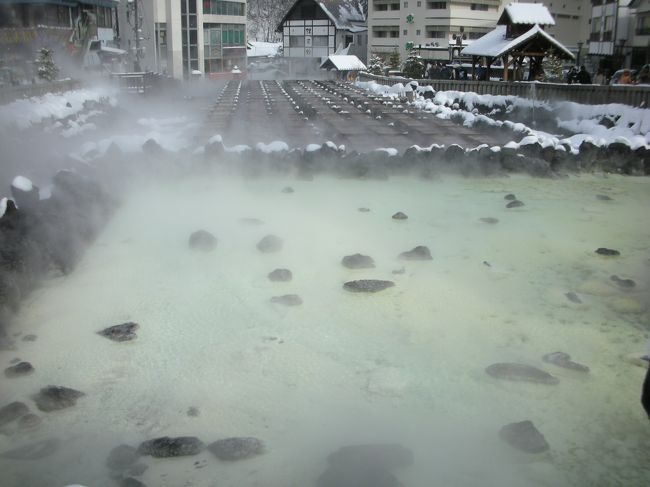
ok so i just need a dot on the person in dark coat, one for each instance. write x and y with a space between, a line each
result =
583 77
571 75
645 390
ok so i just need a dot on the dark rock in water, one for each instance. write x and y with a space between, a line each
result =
624 283
375 476
562 359
515 204
6 344
68 104
573 297
25 194
203 240
510 197
287 300
270 243
152 148
603 197
120 333
364 210
131 482
253 222
29 421
645 391
287 190
193 412
367 285
280 275
236 448
399 271
15 361
524 436
137 469
486 263
122 457
387 455
520 372
12 411
358 261
420 252
607 252
400 216
29 338
53 398
171 447
33 451
19 370
490 220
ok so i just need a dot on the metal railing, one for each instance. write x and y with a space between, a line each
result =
638 96
12 93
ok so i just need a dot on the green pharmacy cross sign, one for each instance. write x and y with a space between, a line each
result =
410 18
409 46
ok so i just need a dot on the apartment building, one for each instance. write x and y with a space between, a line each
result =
609 34
184 38
639 33
438 29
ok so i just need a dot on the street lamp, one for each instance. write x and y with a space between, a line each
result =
579 52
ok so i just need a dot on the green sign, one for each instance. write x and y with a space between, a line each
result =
410 18
409 46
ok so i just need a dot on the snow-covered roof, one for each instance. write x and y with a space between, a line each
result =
495 43
526 13
348 15
262 49
343 63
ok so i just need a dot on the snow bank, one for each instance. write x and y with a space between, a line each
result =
275 146
3 206
25 113
22 183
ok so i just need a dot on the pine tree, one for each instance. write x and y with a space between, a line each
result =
394 61
414 67
552 66
47 70
376 65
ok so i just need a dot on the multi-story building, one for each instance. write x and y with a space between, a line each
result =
67 27
640 33
438 29
610 33
187 37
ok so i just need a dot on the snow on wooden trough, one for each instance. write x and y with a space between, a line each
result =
343 63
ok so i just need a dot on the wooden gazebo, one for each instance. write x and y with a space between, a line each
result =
519 35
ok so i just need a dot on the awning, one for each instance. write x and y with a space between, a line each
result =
343 63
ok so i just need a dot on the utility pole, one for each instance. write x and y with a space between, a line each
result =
137 32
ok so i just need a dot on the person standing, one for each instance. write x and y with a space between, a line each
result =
583 77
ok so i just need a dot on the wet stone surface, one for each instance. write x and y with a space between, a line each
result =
120 333
29 421
521 373
53 398
367 285
358 261
562 359
122 457
203 241
623 283
287 300
12 411
607 252
400 216
166 447
280 275
19 370
29 338
515 204
489 220
524 436
510 197
238 448
420 252
573 297
270 243
131 482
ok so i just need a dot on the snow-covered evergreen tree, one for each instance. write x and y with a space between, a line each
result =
552 66
376 65
47 70
394 61
414 67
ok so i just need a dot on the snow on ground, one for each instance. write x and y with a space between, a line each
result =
3 206
31 111
22 183
578 122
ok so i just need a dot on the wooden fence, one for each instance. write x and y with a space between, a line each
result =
12 93
637 96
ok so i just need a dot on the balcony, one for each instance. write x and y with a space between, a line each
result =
642 31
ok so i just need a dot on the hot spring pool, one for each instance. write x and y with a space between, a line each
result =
406 365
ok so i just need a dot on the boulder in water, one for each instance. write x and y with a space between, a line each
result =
131 482
607 252
524 436
29 338
364 210
421 252
33 451
270 243
510 197
490 220
12 411
400 216
387 455
573 297
53 398
122 457
367 285
603 197
203 240
29 421
280 275
19 370
120 333
624 283
358 261
166 447
515 204
562 359
351 476
521 373
287 190
287 300
238 448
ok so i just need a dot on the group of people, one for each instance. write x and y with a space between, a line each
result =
579 76
440 70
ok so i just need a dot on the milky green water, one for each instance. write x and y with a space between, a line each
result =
405 365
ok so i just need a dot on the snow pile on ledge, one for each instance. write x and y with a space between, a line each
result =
22 183
629 125
25 113
275 146
3 206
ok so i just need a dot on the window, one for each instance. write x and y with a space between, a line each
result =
643 25
419 4
479 6
220 7
319 41
436 32
394 34
104 17
406 5
394 6
475 35
382 7
437 5
297 41
418 32
380 33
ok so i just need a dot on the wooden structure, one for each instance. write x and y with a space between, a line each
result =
519 35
